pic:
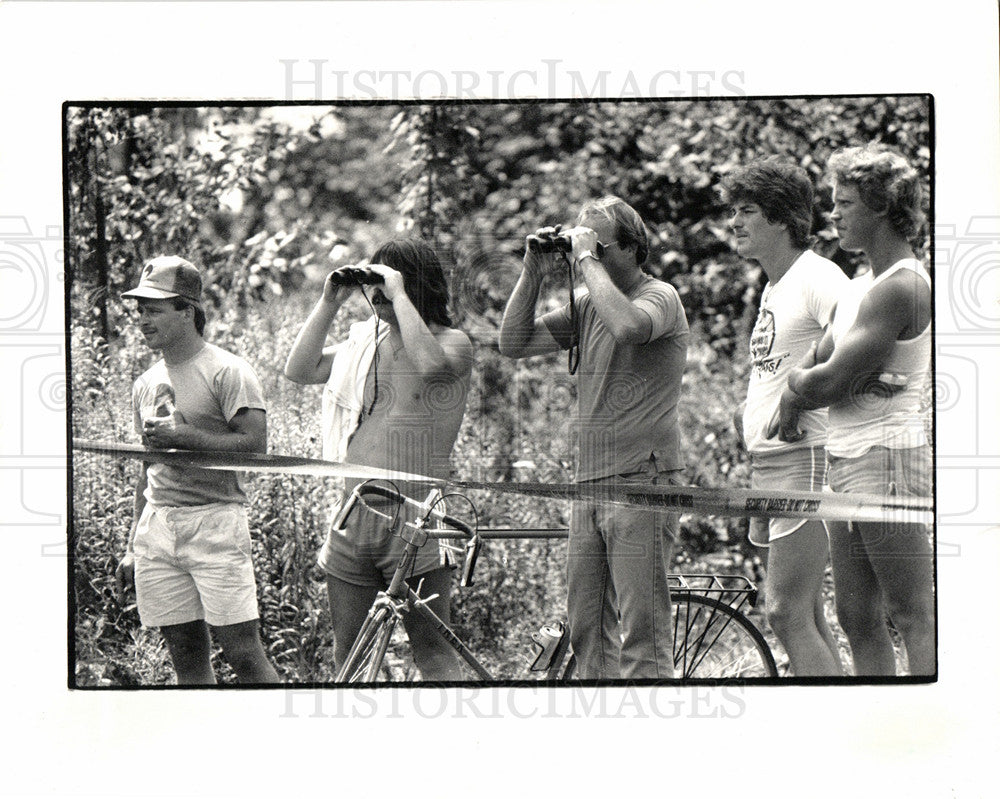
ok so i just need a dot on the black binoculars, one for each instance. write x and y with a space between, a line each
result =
355 276
559 241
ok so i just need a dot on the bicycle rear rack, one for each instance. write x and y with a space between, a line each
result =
734 590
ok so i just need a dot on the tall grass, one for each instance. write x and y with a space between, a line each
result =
517 413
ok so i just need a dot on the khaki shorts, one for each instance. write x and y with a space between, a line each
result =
194 563
367 551
801 469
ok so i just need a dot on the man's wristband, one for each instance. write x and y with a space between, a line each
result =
587 254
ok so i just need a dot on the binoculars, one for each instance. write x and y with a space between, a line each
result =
556 241
355 276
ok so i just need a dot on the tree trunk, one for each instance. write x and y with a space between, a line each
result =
101 263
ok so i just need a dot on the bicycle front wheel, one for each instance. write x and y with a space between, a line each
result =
366 656
714 641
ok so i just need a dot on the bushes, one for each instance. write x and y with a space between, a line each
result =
475 179
515 428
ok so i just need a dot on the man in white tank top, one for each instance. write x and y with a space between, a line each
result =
771 216
871 370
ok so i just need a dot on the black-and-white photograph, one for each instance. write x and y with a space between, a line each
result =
499 398
440 392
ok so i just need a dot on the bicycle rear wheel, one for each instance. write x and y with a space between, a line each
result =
714 641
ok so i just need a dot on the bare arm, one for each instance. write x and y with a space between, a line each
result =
421 345
627 323
785 419
738 423
846 369
449 352
138 505
308 362
125 570
445 353
247 433
882 316
824 349
522 335
457 353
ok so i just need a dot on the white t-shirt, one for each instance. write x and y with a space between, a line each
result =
793 314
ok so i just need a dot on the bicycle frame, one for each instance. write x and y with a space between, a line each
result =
420 606
400 598
711 604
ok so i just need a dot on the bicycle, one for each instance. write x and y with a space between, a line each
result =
713 638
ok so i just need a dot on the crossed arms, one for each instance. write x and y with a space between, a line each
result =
896 308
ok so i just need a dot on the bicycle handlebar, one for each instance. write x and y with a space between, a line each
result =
396 496
472 545
708 583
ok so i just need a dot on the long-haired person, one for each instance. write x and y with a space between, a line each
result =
394 397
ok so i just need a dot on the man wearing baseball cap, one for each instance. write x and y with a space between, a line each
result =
188 553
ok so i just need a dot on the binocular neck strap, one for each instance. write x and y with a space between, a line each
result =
573 354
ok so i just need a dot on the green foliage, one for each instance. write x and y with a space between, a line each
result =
249 194
502 170
267 200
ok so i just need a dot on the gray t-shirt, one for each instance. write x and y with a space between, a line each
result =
208 390
628 393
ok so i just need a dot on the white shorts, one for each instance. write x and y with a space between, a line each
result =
194 563
800 469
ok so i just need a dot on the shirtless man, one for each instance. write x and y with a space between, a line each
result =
395 397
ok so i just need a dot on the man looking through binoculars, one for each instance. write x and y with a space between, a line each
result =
633 336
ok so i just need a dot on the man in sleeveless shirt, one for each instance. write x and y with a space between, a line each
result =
871 370
633 336
411 377
188 552
771 216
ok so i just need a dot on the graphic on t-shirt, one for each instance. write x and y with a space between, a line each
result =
761 342
163 402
